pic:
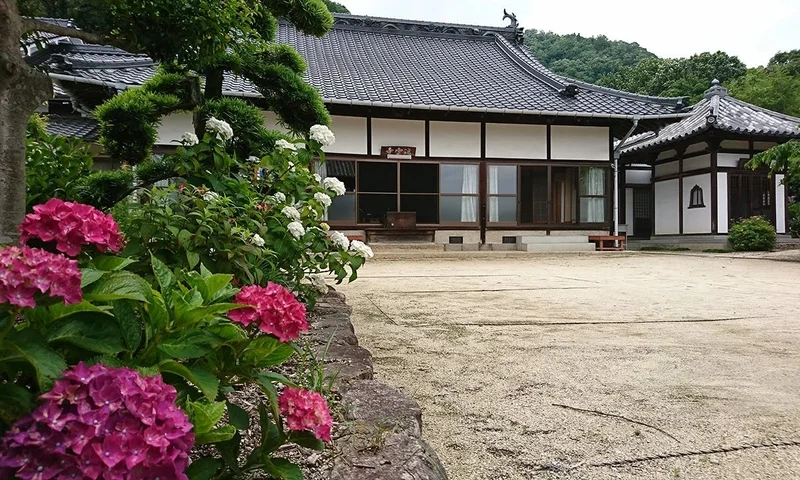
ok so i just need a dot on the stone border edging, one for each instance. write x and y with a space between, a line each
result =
383 439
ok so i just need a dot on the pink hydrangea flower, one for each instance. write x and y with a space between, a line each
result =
273 308
25 271
87 428
72 225
306 410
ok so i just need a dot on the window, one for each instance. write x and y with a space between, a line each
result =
592 195
458 186
502 194
343 208
696 198
419 190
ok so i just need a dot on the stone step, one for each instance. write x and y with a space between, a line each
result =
546 239
557 247
378 247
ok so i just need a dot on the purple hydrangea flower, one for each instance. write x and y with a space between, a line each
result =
100 422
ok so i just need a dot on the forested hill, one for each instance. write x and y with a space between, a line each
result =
583 58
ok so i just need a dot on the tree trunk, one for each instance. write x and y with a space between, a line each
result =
22 90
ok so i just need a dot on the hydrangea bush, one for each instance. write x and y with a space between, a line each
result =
115 363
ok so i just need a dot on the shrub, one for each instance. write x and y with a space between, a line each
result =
794 219
55 166
752 234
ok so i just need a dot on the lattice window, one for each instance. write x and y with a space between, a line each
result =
696 198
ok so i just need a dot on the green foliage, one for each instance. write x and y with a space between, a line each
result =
583 58
752 234
103 189
55 166
781 159
664 248
245 119
677 77
717 250
794 219
790 61
335 7
37 127
776 87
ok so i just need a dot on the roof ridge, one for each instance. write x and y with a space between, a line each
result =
507 48
417 22
421 27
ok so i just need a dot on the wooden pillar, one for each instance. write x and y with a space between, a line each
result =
680 189
483 187
713 147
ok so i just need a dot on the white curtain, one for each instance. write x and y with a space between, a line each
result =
593 182
469 187
494 188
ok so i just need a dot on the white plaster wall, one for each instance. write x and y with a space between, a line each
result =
666 154
697 220
780 205
455 139
505 140
695 147
470 236
351 135
666 203
670 168
629 211
638 177
735 144
579 143
729 159
172 127
722 202
696 163
398 133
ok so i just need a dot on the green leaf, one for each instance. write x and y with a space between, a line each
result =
165 278
238 416
194 344
94 332
271 438
272 394
15 402
266 352
27 346
121 285
204 414
204 468
157 310
110 264
306 439
204 380
217 435
283 469
192 258
229 450
130 324
60 310
277 377
89 276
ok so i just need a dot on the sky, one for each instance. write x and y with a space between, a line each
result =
753 31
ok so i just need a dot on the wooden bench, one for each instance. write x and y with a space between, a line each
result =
400 232
607 242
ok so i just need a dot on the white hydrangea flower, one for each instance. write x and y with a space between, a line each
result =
189 139
283 145
291 166
317 280
333 183
317 178
296 229
210 196
220 128
361 249
324 226
322 134
340 240
291 212
322 198
253 159
279 197
257 240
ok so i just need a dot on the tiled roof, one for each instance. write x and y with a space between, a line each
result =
719 111
404 64
80 127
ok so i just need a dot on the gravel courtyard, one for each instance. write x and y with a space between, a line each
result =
704 352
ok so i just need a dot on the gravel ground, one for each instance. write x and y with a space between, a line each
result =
703 351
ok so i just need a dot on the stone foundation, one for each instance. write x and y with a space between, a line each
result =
384 437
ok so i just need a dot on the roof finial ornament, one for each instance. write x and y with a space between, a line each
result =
512 17
716 90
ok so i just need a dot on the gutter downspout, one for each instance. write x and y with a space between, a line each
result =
617 153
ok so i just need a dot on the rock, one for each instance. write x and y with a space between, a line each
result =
397 457
347 363
374 403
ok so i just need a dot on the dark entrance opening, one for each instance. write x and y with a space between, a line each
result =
642 212
533 204
749 196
